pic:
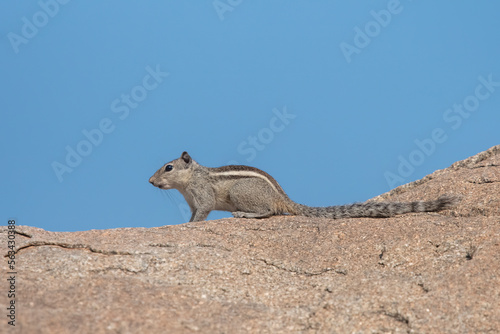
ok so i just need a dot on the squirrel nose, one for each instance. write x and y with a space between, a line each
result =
151 181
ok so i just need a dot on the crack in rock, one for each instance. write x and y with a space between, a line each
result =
470 252
303 272
483 166
397 316
483 181
168 245
423 287
24 234
72 246
383 250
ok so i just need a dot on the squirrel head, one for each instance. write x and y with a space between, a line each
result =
174 174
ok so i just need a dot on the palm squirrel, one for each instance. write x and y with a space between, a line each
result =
249 192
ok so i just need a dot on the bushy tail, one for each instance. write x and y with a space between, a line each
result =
376 209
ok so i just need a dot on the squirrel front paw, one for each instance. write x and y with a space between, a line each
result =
239 214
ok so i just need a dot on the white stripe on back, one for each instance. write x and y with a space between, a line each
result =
246 173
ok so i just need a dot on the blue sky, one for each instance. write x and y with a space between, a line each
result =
339 100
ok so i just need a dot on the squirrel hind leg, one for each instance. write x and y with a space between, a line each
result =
253 198
252 215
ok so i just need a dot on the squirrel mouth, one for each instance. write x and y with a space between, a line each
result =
159 185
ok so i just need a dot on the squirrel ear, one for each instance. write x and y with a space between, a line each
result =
185 156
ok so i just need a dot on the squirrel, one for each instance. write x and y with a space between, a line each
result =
249 192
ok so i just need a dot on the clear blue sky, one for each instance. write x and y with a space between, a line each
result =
339 100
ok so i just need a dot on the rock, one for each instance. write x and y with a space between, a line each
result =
415 273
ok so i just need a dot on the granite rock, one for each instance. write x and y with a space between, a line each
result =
415 273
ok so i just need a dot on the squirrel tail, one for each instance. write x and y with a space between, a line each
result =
376 209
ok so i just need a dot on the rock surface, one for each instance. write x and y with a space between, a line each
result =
415 273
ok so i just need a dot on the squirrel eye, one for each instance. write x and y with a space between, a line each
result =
168 168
